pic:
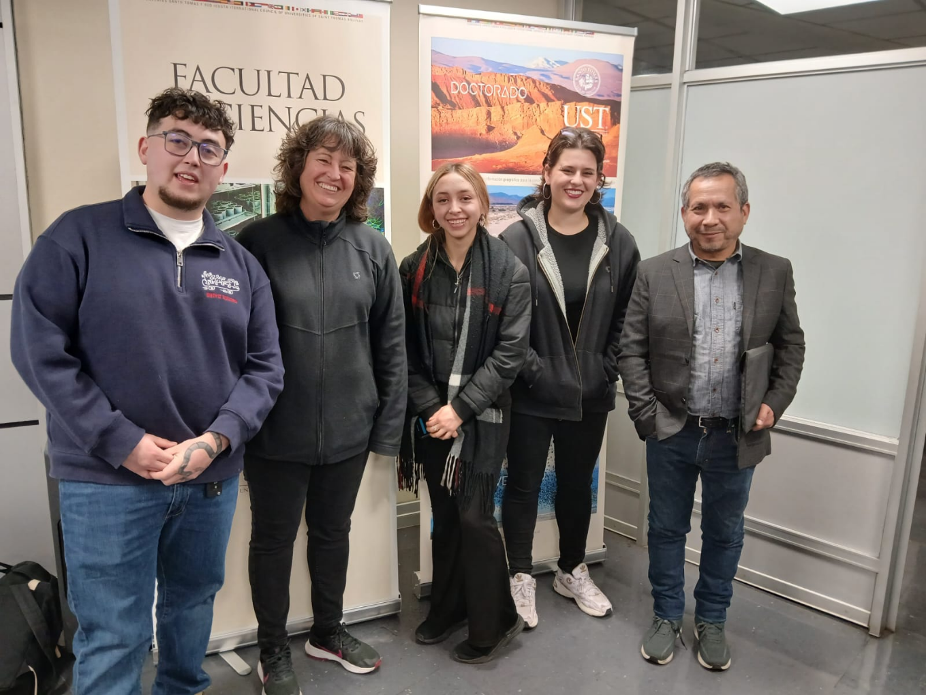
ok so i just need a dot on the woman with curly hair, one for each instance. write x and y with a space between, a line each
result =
339 310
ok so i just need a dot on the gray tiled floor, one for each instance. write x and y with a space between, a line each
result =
779 647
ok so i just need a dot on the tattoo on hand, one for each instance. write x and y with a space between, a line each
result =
218 441
212 453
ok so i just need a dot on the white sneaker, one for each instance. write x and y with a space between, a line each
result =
523 590
580 587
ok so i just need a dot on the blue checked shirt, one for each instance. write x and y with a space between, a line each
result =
714 382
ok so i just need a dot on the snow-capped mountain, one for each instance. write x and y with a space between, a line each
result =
542 63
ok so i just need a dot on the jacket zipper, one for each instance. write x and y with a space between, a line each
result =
573 341
179 254
579 372
180 270
457 300
579 326
456 289
322 337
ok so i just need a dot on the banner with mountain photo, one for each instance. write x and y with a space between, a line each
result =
496 90
497 105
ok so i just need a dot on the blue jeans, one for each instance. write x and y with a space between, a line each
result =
673 467
117 540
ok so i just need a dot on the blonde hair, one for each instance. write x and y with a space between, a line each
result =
426 211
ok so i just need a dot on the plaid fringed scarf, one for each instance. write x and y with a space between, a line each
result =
480 442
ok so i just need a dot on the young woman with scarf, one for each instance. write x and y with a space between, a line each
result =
582 264
468 310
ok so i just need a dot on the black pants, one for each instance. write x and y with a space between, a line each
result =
469 578
279 490
576 448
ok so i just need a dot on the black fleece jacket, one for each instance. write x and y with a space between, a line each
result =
342 334
561 379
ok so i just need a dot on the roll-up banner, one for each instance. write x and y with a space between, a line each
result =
276 66
496 89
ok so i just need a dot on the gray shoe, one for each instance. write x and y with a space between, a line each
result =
660 640
713 652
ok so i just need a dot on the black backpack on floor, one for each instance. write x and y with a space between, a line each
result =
30 659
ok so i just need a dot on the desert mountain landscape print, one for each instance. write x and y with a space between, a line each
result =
497 106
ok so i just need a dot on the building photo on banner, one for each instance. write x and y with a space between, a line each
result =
496 89
276 66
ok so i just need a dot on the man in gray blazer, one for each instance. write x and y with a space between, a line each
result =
694 313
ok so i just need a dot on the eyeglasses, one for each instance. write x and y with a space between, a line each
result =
179 144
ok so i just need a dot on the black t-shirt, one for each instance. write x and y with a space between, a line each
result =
573 253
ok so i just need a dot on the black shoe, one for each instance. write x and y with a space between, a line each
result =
466 653
275 669
433 631
342 648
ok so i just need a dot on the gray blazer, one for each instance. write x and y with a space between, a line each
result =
656 343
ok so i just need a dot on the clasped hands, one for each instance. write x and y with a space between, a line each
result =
156 458
444 423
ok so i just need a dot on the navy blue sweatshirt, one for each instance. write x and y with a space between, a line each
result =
118 334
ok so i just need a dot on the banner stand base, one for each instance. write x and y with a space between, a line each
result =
423 588
236 662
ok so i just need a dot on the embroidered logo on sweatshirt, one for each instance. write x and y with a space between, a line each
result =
227 286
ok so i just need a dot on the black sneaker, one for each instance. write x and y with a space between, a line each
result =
432 632
344 649
275 669
467 653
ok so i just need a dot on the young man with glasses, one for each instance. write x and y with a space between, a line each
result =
150 338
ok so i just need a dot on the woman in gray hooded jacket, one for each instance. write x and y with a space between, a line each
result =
582 265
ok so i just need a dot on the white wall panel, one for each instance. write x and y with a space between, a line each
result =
835 165
622 508
648 125
16 402
26 532
25 525
816 580
625 449
11 240
625 467
824 490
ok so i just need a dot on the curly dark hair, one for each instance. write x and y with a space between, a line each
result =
187 104
332 133
573 139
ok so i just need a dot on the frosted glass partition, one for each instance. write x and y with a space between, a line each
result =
835 165
648 123
11 240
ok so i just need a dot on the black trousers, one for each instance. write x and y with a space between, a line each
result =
576 448
279 491
469 577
